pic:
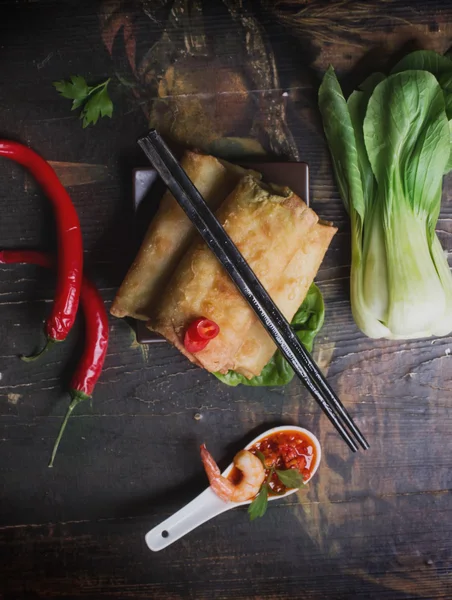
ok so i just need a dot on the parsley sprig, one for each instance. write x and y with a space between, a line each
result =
291 478
94 100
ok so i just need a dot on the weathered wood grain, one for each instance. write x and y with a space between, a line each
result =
396 567
371 525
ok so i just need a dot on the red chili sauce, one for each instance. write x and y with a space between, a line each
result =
288 449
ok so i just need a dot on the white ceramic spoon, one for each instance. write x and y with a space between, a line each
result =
208 505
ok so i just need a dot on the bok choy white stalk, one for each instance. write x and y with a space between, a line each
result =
390 145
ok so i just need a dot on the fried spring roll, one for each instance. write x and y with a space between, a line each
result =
269 226
288 295
169 235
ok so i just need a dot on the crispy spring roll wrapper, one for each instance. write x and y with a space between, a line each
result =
288 295
169 235
268 226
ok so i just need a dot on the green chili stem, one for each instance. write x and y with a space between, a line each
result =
77 397
50 342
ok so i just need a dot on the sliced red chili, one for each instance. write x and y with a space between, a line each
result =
205 328
199 333
194 345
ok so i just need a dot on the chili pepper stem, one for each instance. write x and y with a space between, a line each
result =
77 397
50 342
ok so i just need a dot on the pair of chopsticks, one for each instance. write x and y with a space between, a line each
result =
249 285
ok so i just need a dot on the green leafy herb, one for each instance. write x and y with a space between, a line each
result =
261 457
307 322
94 100
258 506
77 90
291 478
390 145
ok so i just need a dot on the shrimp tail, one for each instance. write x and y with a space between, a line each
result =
210 465
222 487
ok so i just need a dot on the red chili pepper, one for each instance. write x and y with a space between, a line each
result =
96 334
194 345
199 333
70 248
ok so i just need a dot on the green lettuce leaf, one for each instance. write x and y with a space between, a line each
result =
307 322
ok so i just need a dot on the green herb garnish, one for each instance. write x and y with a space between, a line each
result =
261 456
94 100
258 506
291 478
307 322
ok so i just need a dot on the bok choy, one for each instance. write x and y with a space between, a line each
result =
390 144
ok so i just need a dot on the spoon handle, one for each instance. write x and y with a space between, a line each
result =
204 507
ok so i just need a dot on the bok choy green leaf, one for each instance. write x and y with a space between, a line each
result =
390 145
439 66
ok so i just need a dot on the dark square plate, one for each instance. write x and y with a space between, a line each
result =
292 174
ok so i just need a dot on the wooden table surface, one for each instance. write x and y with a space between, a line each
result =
231 77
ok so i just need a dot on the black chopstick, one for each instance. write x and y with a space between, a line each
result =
240 272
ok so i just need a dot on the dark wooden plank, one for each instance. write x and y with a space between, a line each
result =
396 567
371 525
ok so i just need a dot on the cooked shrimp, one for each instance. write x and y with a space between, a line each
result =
248 464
